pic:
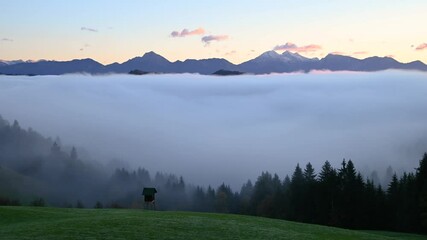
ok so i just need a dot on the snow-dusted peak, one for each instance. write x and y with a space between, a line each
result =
269 55
286 57
295 57
6 62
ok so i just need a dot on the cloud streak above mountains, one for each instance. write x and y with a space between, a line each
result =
294 48
228 129
207 39
421 47
7 40
185 32
210 38
89 29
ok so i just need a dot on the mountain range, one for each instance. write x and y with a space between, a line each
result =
268 62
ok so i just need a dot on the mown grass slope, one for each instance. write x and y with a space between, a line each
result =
61 223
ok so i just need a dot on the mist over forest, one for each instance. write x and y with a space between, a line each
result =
228 129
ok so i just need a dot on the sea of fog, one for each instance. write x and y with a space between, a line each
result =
229 129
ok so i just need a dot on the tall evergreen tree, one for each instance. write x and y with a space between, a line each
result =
349 199
296 194
224 201
284 198
16 126
421 178
327 195
246 193
73 154
210 199
55 149
393 202
309 194
262 197
199 200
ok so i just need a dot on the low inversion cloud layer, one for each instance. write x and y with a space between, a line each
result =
213 129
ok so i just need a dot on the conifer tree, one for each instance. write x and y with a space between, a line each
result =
73 154
297 194
309 194
421 177
327 194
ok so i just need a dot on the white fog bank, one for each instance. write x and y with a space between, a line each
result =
228 129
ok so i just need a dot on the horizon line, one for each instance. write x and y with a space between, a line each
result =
198 59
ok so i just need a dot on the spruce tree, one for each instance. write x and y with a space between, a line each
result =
327 195
246 193
309 194
421 178
297 195
263 194
73 154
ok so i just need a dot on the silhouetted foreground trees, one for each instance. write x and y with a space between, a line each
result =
37 171
341 197
334 197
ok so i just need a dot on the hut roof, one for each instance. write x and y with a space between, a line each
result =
149 191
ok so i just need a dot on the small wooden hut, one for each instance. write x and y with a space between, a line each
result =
149 197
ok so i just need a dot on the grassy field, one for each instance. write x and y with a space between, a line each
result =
62 223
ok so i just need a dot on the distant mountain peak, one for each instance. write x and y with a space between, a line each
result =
289 53
151 54
335 56
269 54
267 62
292 57
82 60
12 62
285 57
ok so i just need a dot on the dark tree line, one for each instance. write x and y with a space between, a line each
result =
43 173
335 197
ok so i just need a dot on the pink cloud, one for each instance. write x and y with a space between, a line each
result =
360 53
421 47
293 47
185 32
390 56
210 38
338 53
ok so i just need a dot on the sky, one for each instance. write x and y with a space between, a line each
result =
115 31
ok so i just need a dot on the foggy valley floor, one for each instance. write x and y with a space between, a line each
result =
234 127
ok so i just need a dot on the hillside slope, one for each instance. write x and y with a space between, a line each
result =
57 223
16 186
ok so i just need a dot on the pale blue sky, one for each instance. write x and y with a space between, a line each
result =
48 29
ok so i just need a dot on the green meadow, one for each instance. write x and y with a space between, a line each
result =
66 223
